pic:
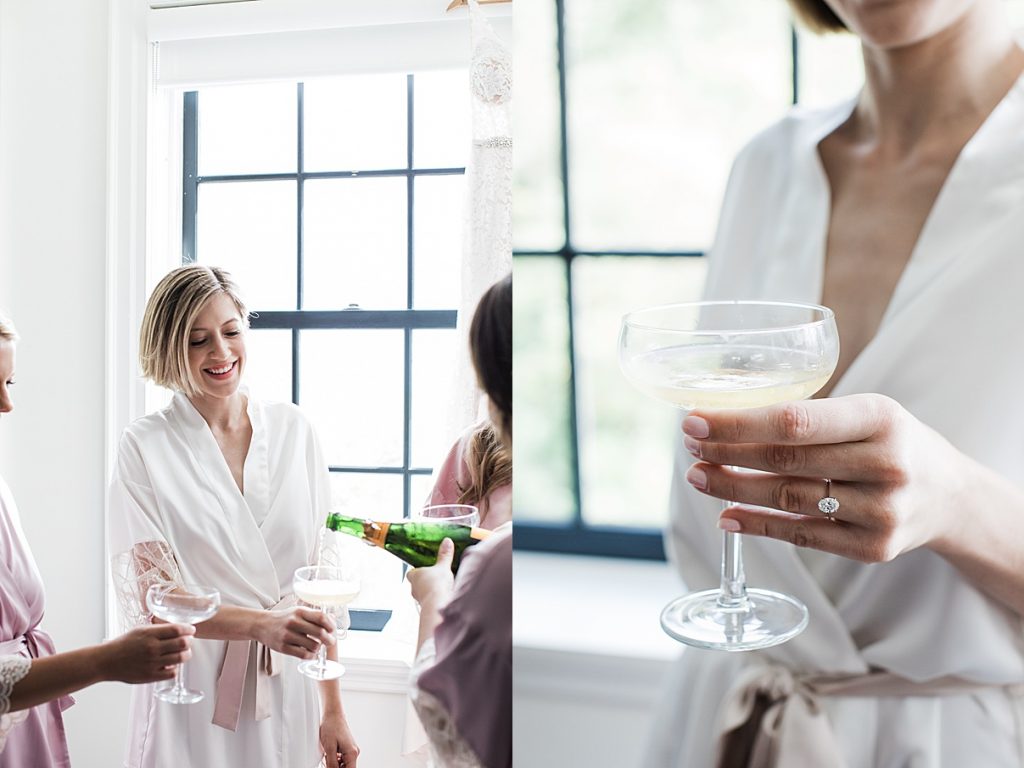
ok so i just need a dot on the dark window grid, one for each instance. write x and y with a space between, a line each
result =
299 319
579 537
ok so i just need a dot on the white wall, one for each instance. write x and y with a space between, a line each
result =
53 120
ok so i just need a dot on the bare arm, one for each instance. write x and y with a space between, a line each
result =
294 631
144 655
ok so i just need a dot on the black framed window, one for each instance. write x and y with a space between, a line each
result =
636 111
337 206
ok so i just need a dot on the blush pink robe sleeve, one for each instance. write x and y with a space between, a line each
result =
34 737
463 679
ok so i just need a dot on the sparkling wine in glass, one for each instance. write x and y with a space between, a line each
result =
329 588
188 604
455 514
730 354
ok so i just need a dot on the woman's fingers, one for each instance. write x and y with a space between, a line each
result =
850 541
832 420
859 462
786 493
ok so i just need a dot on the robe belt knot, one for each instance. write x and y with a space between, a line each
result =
234 671
35 643
774 718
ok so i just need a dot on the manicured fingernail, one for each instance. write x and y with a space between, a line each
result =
728 524
698 478
693 446
695 426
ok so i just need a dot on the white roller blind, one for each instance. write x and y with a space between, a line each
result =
257 41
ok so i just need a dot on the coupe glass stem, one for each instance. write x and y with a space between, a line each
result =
734 582
321 657
179 679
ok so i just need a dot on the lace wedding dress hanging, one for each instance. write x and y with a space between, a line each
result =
487 230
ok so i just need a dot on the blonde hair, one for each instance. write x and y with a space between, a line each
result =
170 314
7 330
817 16
490 467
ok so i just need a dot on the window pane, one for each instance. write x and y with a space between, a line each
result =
248 129
268 364
375 497
441 120
249 229
626 439
540 333
420 487
1015 11
437 241
352 387
831 67
661 96
537 179
354 242
355 123
433 369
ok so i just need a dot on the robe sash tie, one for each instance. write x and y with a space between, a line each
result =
35 644
773 718
234 671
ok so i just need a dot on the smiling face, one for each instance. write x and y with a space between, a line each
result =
6 375
216 348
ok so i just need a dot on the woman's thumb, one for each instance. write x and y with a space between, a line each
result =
446 551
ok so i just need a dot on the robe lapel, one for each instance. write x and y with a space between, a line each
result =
984 178
257 566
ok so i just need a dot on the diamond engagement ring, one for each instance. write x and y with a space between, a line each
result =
829 505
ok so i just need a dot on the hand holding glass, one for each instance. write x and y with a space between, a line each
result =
730 354
187 604
329 588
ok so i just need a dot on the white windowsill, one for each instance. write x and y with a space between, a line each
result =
593 605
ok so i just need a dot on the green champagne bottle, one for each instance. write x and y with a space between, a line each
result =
414 542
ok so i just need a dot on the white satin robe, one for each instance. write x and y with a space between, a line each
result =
949 350
172 485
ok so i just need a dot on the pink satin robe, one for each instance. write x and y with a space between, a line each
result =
39 740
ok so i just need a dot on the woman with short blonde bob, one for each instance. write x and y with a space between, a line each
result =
223 490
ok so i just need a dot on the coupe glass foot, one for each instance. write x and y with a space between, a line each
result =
331 670
765 619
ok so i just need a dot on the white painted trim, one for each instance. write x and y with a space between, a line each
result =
375 675
127 88
587 679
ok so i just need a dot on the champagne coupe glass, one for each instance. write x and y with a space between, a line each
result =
455 514
187 604
329 588
730 354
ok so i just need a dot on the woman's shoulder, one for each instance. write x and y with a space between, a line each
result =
284 413
797 132
148 426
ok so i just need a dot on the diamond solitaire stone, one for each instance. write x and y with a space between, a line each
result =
828 506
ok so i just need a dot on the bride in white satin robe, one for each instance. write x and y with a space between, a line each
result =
948 351
219 489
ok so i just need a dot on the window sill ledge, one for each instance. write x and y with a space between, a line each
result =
600 606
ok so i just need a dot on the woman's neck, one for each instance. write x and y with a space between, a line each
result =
223 414
923 91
